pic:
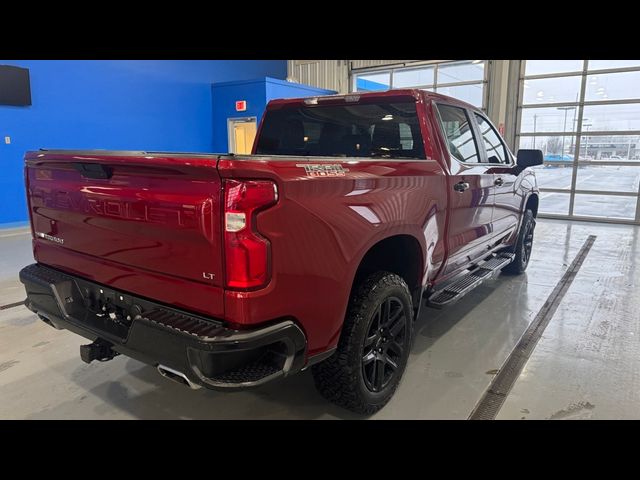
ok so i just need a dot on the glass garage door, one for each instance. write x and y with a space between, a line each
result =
585 117
465 80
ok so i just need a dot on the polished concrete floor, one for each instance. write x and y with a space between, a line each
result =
586 365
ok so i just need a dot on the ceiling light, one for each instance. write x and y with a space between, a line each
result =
387 117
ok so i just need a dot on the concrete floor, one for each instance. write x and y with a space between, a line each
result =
587 364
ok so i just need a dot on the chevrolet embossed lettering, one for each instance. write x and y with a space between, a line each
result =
51 238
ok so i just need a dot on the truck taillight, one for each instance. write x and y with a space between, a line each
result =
247 253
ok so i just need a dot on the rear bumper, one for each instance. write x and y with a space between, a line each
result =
204 350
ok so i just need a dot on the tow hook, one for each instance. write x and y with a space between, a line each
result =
98 350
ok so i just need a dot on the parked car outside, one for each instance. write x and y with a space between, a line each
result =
557 160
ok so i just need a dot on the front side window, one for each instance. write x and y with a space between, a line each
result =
387 130
458 133
496 150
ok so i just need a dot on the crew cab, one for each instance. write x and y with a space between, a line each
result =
316 251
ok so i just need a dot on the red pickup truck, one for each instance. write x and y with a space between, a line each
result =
318 250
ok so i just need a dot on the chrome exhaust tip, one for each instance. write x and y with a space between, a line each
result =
177 376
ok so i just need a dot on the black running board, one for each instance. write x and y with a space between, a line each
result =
458 289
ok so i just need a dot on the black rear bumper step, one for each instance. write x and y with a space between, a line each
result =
201 329
459 288
206 351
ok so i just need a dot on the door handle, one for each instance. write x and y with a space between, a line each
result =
499 182
461 186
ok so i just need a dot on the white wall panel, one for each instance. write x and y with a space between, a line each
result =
330 74
355 64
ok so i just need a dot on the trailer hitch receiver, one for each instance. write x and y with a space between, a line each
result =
98 350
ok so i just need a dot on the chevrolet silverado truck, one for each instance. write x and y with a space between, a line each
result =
316 251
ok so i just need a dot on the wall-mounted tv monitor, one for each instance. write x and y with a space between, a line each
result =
15 87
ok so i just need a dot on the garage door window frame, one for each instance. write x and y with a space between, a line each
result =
392 69
577 133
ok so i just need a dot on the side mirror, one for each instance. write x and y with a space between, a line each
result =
529 158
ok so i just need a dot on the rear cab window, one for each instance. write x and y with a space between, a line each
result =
380 129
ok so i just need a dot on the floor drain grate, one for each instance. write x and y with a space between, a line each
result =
11 305
494 397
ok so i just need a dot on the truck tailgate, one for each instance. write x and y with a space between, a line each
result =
146 223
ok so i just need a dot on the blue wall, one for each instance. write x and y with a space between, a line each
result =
113 104
257 93
363 85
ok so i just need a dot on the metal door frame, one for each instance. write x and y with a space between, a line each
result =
230 133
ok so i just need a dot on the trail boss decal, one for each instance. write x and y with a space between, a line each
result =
327 170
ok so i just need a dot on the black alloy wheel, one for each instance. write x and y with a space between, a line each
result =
527 244
523 246
384 344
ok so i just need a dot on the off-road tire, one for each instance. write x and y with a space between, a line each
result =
523 246
345 378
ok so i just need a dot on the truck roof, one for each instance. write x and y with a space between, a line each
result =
353 97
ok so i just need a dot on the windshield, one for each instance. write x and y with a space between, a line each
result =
388 130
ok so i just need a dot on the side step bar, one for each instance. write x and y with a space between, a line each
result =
458 289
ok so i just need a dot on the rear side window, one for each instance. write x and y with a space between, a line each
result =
458 133
387 130
496 150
